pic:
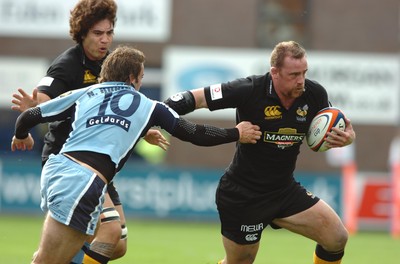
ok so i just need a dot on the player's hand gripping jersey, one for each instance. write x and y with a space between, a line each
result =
109 118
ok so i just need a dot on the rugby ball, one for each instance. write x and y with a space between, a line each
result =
321 124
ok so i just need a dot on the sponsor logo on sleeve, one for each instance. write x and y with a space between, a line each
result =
216 92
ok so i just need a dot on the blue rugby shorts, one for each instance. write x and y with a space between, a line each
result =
72 194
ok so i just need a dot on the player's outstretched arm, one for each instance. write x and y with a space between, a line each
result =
248 132
206 135
22 144
202 135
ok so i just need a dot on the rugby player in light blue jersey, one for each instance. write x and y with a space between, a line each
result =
107 119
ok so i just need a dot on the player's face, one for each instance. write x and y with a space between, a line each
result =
98 40
290 78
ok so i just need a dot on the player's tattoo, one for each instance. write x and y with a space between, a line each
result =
105 249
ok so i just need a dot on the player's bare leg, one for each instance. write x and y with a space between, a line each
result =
120 249
238 254
321 224
58 244
107 235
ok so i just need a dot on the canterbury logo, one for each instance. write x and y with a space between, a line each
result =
251 237
272 112
88 77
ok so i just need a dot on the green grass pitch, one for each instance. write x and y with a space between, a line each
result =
176 242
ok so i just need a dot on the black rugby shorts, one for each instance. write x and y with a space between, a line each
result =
244 214
114 195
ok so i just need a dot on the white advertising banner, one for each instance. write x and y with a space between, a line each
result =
138 20
365 86
187 68
17 73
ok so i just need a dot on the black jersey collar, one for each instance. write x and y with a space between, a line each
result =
269 86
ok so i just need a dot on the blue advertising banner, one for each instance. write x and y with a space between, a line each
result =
20 185
150 191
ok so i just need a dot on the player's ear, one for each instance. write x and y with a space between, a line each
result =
274 71
132 79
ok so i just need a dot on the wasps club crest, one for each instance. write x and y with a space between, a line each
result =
301 113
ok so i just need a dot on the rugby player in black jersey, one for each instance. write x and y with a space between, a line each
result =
92 28
258 188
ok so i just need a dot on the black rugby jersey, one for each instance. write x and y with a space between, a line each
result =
69 71
268 164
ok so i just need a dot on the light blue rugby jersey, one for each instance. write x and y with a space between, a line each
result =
109 118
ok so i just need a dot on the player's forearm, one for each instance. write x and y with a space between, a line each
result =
199 98
204 135
42 97
26 121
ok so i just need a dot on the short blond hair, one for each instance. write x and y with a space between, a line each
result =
121 63
285 49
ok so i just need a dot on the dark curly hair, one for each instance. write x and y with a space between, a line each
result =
86 13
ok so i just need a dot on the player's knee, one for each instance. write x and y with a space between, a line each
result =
111 230
343 236
110 224
337 240
121 248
